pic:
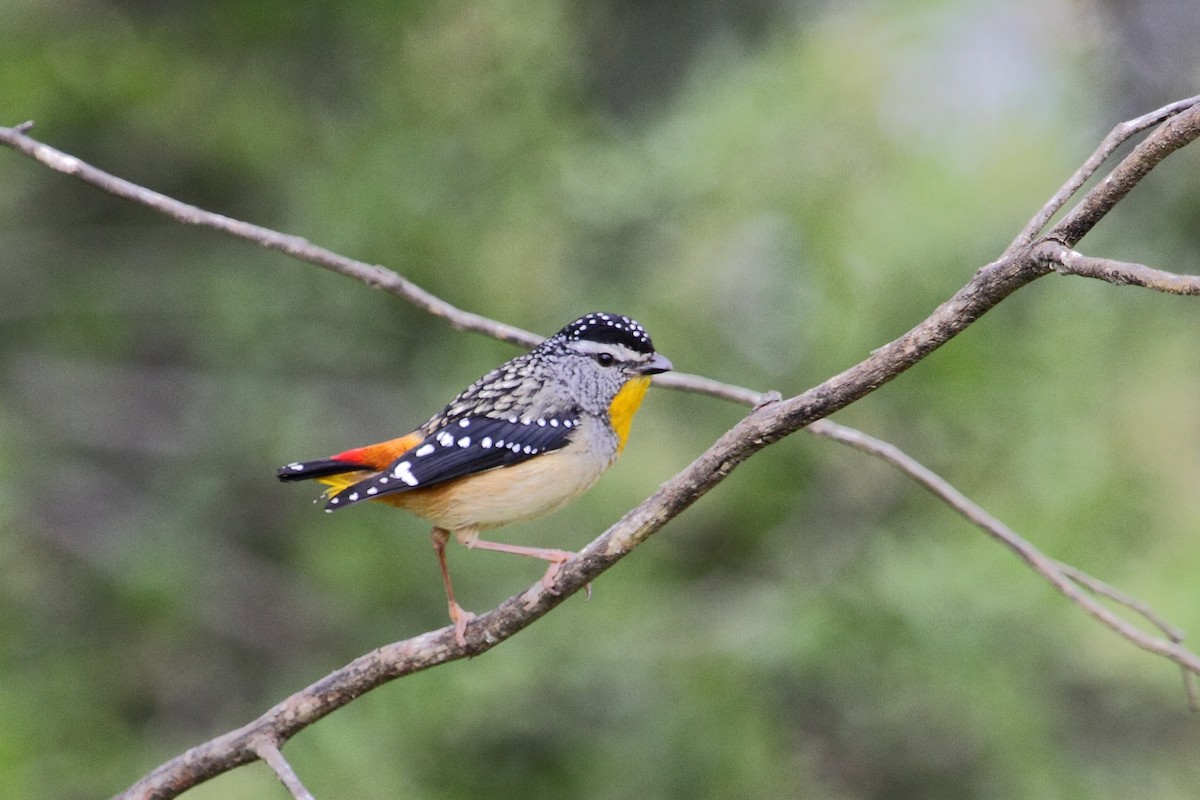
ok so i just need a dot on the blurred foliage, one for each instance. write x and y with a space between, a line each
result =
773 188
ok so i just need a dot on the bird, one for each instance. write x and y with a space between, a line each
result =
525 439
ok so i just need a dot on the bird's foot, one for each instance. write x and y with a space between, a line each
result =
460 617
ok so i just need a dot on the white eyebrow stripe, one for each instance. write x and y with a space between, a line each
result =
590 348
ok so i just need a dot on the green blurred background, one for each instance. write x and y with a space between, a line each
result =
773 188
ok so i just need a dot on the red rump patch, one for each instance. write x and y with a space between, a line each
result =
380 456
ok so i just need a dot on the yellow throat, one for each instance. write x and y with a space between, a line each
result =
625 405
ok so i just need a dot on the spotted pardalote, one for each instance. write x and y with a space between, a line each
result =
523 440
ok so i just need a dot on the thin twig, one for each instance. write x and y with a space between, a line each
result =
1062 577
1066 261
707 386
1142 609
1180 129
294 246
1115 138
301 249
1102 589
269 751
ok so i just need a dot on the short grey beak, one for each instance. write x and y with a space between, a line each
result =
659 363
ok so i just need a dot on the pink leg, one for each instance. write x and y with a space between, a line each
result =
470 539
458 615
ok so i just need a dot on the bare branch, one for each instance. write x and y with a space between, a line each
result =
1180 129
269 752
294 246
301 249
769 422
1102 589
1066 580
1115 138
722 391
1066 261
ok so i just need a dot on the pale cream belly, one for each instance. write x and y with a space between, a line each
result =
508 494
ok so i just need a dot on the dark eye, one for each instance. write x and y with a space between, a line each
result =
605 359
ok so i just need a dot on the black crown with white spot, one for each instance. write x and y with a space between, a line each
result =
605 328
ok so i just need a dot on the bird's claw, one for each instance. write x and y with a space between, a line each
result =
551 576
460 617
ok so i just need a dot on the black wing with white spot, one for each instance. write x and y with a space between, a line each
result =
465 446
